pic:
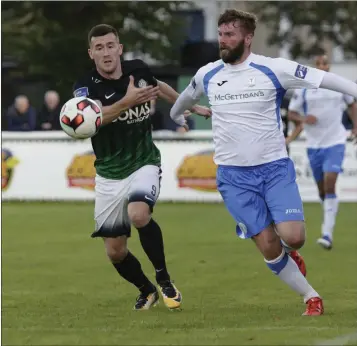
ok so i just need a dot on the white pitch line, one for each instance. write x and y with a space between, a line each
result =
221 329
338 341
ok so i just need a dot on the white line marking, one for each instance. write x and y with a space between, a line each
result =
242 329
338 341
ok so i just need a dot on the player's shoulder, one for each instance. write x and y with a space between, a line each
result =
87 78
84 83
267 61
212 66
129 66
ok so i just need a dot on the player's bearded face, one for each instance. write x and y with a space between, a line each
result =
231 54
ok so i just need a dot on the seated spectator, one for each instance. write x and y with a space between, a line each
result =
21 116
50 111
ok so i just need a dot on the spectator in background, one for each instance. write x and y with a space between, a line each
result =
21 116
50 111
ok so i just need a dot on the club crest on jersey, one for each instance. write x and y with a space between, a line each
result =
301 71
142 83
251 82
81 92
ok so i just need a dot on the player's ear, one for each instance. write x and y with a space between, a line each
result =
90 53
120 49
248 40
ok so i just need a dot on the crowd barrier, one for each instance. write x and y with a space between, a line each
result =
52 166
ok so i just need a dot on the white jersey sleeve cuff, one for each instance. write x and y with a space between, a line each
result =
184 102
334 82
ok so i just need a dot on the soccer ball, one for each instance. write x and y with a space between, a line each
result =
80 118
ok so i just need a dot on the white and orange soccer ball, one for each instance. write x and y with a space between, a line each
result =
80 118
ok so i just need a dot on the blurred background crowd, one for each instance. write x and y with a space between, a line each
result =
44 50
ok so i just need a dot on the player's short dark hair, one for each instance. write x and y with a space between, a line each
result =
246 19
320 52
101 30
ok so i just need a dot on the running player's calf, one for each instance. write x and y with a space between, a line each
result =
129 268
330 210
152 242
150 237
281 264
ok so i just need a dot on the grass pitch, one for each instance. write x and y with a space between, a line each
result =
58 288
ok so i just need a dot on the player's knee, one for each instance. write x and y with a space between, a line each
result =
296 238
139 214
116 253
116 248
297 243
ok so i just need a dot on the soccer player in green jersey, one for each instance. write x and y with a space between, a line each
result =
127 182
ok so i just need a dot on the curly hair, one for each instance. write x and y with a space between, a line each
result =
246 20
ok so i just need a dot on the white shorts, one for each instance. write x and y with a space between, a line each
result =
113 196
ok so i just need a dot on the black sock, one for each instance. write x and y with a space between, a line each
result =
130 270
153 245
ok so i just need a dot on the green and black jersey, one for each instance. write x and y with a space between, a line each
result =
126 144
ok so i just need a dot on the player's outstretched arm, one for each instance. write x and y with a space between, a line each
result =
184 101
171 95
188 98
337 83
133 96
292 75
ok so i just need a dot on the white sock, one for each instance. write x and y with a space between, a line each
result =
330 212
286 247
289 272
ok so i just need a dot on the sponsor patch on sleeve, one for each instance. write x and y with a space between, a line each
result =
301 71
81 92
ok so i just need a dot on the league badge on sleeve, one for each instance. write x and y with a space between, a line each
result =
301 71
81 92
